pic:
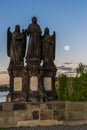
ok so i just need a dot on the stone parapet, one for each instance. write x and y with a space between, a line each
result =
36 114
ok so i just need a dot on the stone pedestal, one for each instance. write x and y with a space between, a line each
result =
35 86
32 83
49 81
17 90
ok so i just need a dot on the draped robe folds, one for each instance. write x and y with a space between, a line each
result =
48 47
34 45
16 47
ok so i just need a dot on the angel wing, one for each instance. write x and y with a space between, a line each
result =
54 43
9 39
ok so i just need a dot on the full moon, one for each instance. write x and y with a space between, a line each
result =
66 47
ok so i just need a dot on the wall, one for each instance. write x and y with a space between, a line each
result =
51 113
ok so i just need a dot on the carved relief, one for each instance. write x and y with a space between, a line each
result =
17 84
34 83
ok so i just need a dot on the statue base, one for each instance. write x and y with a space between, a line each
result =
32 83
17 82
49 81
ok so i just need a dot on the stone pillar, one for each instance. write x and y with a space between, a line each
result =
49 82
33 80
17 90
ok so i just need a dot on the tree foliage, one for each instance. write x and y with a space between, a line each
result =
74 89
62 90
79 85
4 88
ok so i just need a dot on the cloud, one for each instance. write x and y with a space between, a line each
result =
67 70
67 63
4 78
3 72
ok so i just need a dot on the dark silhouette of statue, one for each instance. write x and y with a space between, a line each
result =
16 45
48 46
34 82
34 45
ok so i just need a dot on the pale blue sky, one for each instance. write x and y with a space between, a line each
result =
68 18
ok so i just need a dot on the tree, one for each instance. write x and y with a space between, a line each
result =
79 84
75 88
62 89
4 88
81 69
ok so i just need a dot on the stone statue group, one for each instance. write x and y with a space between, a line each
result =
40 47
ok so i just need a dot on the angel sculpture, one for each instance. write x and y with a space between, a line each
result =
48 46
16 45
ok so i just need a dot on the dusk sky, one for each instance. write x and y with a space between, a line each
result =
68 18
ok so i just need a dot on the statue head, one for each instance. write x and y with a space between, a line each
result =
17 28
34 19
46 30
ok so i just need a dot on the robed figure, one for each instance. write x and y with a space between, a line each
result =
34 45
16 46
48 46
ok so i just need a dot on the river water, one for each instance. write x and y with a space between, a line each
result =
3 96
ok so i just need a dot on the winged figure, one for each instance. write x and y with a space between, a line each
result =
48 46
16 45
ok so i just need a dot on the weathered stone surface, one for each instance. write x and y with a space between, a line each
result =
47 83
19 106
7 119
34 83
56 105
76 106
76 111
0 107
49 111
35 115
17 84
59 114
7 106
34 106
46 115
39 123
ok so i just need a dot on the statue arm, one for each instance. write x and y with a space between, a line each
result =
19 37
9 40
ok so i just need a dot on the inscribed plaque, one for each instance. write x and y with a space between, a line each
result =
17 84
34 83
47 83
